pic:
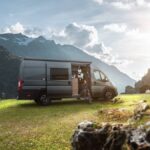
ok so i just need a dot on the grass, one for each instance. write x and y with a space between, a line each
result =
26 126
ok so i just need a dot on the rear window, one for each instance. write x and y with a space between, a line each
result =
59 74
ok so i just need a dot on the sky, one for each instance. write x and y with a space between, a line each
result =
114 31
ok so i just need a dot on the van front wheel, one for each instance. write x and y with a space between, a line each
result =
109 94
43 100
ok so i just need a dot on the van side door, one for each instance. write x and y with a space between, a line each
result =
33 74
98 84
59 79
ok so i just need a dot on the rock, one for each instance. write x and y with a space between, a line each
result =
139 116
110 137
131 121
85 124
143 101
141 107
133 146
147 91
144 106
85 140
117 100
115 140
144 147
123 109
147 123
148 135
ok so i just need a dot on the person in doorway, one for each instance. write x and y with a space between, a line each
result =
86 92
80 74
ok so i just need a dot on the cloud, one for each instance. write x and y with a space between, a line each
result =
116 27
99 1
16 28
99 48
78 35
35 32
103 53
123 28
121 5
86 38
135 33
29 31
125 4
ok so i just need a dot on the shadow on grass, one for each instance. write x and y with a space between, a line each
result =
55 103
64 103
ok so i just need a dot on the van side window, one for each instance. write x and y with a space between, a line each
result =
103 77
97 75
59 74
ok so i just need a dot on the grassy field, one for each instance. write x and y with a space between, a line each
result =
26 126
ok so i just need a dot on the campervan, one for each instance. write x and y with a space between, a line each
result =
44 80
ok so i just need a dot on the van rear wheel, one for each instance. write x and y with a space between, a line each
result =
43 100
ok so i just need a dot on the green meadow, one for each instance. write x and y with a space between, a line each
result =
27 126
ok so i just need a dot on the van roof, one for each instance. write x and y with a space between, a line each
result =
54 60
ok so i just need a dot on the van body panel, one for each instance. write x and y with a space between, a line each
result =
62 86
34 87
34 75
32 72
54 77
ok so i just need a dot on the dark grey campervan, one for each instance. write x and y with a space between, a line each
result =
44 80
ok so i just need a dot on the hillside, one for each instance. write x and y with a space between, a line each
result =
9 67
21 45
143 84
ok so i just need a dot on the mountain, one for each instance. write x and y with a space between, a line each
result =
9 68
21 45
143 84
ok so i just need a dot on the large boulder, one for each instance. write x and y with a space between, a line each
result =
90 136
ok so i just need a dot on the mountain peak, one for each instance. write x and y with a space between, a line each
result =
18 38
11 35
41 38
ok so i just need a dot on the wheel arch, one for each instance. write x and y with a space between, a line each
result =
109 88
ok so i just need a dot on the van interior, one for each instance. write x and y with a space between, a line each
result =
80 73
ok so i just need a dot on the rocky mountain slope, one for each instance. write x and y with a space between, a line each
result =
143 84
9 67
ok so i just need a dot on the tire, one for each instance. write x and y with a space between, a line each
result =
43 100
109 94
36 100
